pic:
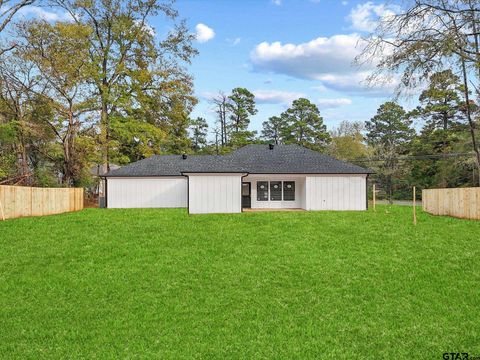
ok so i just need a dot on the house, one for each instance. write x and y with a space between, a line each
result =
254 176
96 189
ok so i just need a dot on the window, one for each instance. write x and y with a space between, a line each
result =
262 190
289 190
245 189
276 190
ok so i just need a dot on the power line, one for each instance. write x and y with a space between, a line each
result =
418 157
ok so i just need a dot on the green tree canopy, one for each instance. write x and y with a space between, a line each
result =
199 129
347 141
445 36
132 74
273 129
304 125
389 132
58 53
240 106
443 132
390 127
441 101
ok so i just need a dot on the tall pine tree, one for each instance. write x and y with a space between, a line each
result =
199 129
241 105
273 129
389 132
304 125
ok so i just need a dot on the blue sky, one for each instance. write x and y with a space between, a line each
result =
284 49
280 50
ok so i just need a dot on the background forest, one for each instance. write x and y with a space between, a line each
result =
98 89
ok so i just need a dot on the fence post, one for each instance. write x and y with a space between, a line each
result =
374 197
31 202
414 208
1 205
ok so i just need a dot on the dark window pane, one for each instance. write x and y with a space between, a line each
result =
289 190
275 190
262 190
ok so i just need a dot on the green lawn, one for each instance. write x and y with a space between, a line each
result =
111 284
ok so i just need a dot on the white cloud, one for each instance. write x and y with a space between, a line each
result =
277 2
333 103
355 84
276 96
207 95
262 96
308 60
204 33
147 28
327 60
234 41
319 88
41 13
364 17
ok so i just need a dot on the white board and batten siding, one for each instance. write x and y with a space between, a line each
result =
154 192
214 193
336 192
222 193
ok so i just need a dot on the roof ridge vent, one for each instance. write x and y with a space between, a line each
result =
271 146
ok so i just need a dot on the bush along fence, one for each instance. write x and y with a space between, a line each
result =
19 201
457 202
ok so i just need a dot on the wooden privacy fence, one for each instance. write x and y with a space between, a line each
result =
457 202
19 201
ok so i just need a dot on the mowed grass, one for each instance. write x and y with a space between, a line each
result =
140 284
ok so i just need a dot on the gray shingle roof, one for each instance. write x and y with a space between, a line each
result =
253 159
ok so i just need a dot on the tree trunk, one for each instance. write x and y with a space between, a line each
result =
222 134
104 137
389 189
67 173
224 114
469 117
104 90
69 150
470 122
444 176
23 168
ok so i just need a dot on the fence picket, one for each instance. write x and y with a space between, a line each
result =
19 201
456 202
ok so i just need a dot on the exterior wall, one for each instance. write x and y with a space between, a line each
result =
155 192
221 193
336 192
304 195
214 193
299 202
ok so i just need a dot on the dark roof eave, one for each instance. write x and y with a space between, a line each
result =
213 172
183 173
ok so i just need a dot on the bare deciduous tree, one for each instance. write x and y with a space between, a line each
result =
8 9
428 36
220 103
